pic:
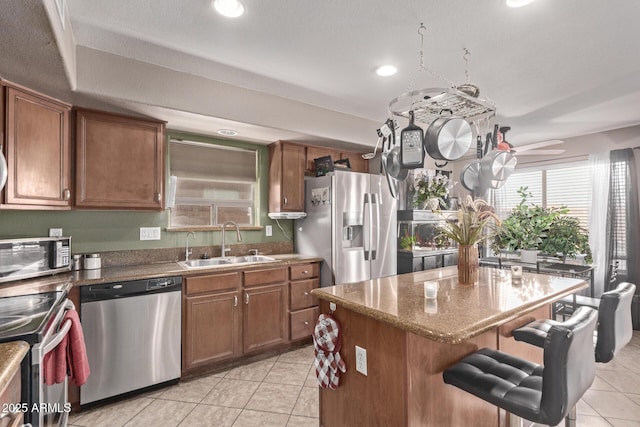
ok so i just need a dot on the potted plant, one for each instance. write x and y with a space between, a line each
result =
525 228
567 238
430 192
473 222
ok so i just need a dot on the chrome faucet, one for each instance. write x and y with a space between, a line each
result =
188 251
224 249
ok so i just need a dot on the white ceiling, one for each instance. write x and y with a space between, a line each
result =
304 69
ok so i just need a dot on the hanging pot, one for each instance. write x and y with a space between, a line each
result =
3 169
448 138
497 165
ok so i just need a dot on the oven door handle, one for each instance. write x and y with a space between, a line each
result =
57 338
54 335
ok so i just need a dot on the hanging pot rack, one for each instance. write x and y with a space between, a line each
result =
428 104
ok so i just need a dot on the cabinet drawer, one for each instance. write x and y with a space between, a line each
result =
265 277
212 283
301 294
305 271
303 322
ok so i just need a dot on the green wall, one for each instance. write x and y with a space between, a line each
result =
98 231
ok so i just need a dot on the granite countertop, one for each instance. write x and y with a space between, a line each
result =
11 355
135 272
460 311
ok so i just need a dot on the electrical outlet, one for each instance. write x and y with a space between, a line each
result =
361 360
55 232
149 233
268 230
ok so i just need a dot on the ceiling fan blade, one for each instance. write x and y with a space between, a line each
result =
535 145
550 152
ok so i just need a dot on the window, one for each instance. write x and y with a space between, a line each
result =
211 184
554 187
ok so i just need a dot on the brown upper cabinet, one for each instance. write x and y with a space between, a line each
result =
37 144
286 177
119 161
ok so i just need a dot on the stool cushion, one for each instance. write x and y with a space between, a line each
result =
534 333
508 382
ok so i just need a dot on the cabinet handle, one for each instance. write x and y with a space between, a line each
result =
305 272
284 201
158 197
246 298
235 300
66 194
306 322
306 293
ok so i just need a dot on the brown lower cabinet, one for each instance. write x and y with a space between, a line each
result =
265 321
231 314
211 319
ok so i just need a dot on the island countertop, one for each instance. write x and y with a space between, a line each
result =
460 312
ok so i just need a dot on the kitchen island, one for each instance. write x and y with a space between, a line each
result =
409 341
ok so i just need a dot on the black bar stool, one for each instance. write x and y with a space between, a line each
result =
542 394
615 327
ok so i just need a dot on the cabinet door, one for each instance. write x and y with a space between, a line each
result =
265 317
293 158
38 151
119 162
211 329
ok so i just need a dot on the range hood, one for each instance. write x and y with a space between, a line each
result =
286 215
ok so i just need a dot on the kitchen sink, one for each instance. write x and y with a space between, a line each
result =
222 261
251 258
203 263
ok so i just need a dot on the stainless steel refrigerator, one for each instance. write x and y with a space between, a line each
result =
351 224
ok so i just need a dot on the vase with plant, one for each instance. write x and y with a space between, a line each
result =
473 222
525 228
431 192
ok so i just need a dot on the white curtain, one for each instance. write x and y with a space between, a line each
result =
599 166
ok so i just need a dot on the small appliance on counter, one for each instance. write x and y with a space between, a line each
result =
33 257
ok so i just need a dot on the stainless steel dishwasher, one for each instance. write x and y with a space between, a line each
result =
132 332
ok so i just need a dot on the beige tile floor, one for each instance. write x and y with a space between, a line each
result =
282 391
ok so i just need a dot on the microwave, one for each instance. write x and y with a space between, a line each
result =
33 257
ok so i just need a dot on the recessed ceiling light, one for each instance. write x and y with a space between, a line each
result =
229 8
227 132
518 3
386 70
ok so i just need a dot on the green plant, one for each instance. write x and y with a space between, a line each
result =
567 237
474 221
407 242
435 187
527 226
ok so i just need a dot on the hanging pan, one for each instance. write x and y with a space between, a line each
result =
448 138
470 175
394 166
497 165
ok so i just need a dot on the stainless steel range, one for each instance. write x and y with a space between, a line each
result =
37 318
